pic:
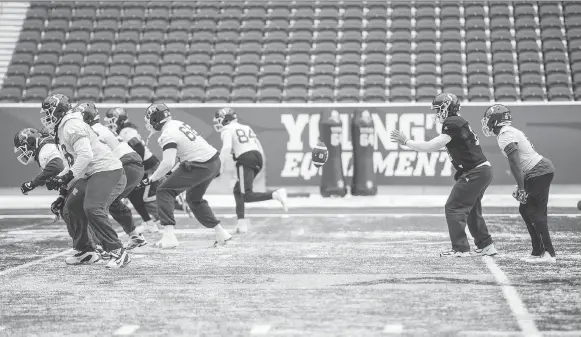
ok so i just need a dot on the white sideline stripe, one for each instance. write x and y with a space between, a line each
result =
126 330
312 215
519 333
393 328
303 105
34 263
520 312
260 329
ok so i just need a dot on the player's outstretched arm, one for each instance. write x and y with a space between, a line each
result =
167 162
51 170
512 153
434 144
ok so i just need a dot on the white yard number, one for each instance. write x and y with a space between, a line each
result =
366 139
477 141
335 139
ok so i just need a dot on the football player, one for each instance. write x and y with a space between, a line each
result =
533 174
132 165
241 141
99 180
199 165
143 200
473 175
30 144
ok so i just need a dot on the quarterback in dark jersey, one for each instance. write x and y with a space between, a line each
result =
473 175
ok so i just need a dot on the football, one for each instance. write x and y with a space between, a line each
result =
320 154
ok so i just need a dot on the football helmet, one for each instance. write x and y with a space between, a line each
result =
155 116
446 104
495 116
25 144
224 117
115 117
54 107
89 112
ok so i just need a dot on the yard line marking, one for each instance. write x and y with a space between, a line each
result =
35 262
520 312
312 215
491 333
260 329
126 330
393 328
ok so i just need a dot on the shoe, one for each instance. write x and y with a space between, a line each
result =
104 255
546 258
454 253
119 258
136 241
242 226
168 240
83 258
222 238
150 226
489 250
281 196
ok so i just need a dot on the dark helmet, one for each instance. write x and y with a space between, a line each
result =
446 104
54 107
115 117
155 116
25 144
495 116
89 112
223 117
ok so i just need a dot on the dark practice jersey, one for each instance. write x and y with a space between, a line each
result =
43 142
464 148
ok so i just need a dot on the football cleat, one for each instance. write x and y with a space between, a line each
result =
136 241
281 196
119 258
242 226
83 258
222 238
546 258
168 240
150 226
104 255
454 253
489 250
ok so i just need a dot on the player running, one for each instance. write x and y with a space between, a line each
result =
473 175
143 200
241 141
30 144
132 166
533 174
99 180
200 164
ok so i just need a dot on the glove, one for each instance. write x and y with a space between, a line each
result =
143 183
57 207
520 195
59 181
27 187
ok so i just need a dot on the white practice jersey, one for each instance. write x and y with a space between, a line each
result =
47 153
72 128
190 145
119 147
239 138
128 133
527 154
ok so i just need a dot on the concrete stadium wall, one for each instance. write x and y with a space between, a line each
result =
289 131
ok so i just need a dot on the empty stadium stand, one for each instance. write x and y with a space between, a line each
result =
298 51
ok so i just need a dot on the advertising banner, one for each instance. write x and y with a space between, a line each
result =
288 132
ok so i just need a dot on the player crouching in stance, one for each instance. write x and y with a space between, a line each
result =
241 141
99 180
132 166
200 164
473 176
143 200
30 144
533 174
